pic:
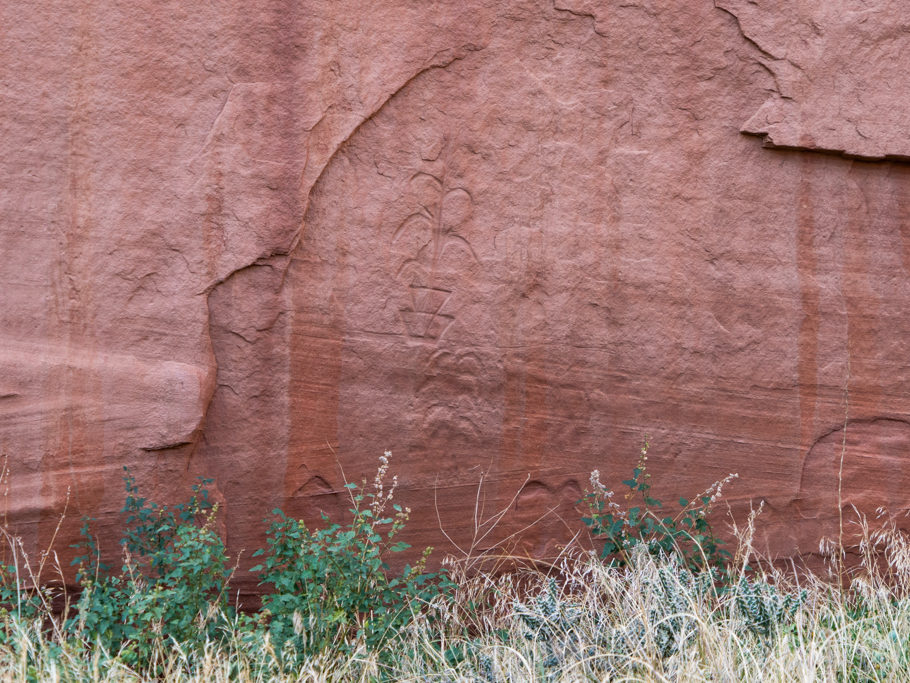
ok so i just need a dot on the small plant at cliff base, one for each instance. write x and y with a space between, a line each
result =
172 584
24 594
622 528
763 607
553 623
332 586
661 621
21 597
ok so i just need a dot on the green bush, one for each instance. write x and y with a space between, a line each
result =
688 534
20 599
334 584
172 583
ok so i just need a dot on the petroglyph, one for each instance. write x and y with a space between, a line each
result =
423 241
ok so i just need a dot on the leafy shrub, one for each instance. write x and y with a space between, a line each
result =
334 584
688 534
172 582
20 599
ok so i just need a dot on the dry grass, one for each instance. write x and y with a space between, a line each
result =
651 621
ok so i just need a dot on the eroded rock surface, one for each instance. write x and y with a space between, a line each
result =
507 240
840 74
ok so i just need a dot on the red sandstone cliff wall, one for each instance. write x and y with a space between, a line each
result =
257 241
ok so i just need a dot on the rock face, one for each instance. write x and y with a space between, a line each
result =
838 69
265 242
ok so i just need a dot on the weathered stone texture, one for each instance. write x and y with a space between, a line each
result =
264 242
839 70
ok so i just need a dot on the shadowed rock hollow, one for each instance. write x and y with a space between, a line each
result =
263 242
